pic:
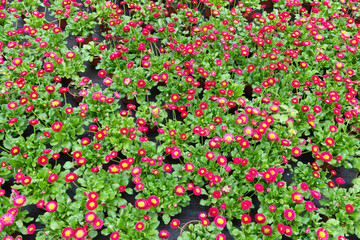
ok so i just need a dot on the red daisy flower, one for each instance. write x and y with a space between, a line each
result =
205 222
213 211
70 177
43 160
281 228
349 208
260 218
245 219
15 150
266 230
174 97
163 234
246 204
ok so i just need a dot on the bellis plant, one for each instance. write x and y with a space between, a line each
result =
116 116
81 23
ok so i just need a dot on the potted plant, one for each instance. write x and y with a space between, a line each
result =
82 25
93 50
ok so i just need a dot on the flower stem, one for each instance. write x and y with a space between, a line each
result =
5 149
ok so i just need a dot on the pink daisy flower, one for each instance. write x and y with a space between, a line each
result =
309 206
79 233
213 211
249 131
220 221
139 226
246 204
40 204
7 219
326 156
114 236
175 223
30 229
322 234
296 151
281 228
90 217
202 215
97 224
221 160
221 236
272 136
289 214
91 204
19 200
329 141
315 194
272 208
297 197
179 190
176 153
288 230
67 233
245 219
163 234
70 55
51 206
154 201
141 203
228 138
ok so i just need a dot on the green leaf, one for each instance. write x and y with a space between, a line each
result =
106 231
166 218
68 165
235 232
93 233
19 223
54 225
129 191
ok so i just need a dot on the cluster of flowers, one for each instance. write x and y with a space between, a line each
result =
224 106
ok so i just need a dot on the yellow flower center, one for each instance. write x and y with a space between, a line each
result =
7 219
79 234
